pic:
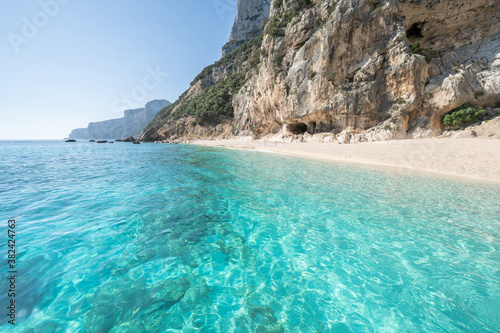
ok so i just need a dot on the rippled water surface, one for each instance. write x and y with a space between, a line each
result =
173 238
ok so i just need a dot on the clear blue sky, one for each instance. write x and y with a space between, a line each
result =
88 60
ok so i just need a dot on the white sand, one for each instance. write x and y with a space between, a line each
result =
475 158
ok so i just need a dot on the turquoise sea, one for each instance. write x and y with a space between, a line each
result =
178 238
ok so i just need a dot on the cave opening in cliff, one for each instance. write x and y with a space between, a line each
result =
311 127
297 128
415 31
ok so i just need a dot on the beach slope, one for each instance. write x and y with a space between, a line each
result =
475 158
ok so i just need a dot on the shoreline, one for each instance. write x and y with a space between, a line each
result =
472 158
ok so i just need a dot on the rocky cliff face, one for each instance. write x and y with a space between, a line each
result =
80 133
354 70
348 68
250 17
131 124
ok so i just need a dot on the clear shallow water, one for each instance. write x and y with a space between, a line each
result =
166 238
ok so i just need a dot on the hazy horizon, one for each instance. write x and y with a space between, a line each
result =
68 63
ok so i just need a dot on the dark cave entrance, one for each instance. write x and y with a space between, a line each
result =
311 127
297 128
302 128
415 31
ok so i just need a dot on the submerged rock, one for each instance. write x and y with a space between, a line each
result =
50 326
171 291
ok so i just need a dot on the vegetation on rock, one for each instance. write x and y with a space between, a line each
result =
399 100
465 114
314 61
416 48
213 104
276 24
237 57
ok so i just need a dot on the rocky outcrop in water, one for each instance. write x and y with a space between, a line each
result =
132 124
129 139
150 135
357 70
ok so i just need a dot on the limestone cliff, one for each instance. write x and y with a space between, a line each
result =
354 70
350 65
132 124
250 17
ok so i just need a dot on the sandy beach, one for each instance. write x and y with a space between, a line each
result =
475 158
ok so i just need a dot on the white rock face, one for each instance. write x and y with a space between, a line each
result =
355 70
131 124
347 67
248 23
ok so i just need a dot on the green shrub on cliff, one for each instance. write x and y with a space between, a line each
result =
332 7
213 104
416 48
466 114
399 100
162 116
301 4
255 61
275 25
